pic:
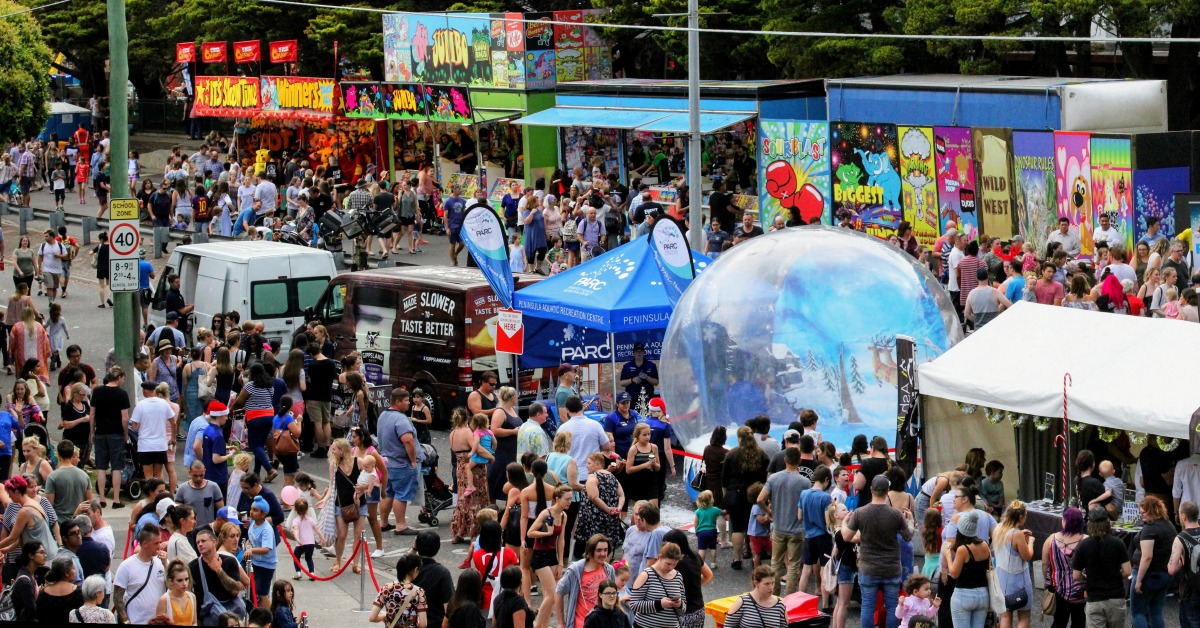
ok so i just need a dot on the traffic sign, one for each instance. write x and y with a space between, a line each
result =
123 275
124 239
510 331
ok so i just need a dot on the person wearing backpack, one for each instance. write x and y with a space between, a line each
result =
1185 559
49 260
72 247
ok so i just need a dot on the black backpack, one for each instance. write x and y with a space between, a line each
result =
1191 559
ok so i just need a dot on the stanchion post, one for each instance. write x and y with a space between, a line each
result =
362 572
25 214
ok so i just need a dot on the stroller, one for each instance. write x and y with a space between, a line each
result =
437 495
132 476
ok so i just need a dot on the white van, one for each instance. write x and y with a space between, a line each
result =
267 282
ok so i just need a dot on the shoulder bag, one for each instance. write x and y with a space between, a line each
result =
149 574
285 443
700 479
995 593
349 512
204 388
210 608
403 605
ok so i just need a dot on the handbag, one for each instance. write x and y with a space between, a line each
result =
829 573
995 594
349 512
700 480
285 443
205 390
211 609
1013 601
1049 602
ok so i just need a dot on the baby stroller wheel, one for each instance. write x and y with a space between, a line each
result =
433 522
134 489
422 517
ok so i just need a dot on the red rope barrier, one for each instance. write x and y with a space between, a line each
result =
253 593
128 539
297 561
370 567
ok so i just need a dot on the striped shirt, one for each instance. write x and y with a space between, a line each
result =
258 398
751 613
645 601
968 278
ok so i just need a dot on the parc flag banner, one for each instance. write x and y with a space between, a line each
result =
487 242
908 414
283 51
185 53
213 52
673 257
246 51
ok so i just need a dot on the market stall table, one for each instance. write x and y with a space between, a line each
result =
1043 522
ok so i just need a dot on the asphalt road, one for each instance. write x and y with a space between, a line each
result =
328 603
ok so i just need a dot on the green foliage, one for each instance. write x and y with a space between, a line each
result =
24 81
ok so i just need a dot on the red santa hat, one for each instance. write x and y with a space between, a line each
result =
216 408
657 402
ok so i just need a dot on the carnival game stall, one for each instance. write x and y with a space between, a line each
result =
1036 415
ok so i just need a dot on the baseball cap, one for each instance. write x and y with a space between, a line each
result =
142 253
566 367
880 485
622 397
149 385
791 434
161 509
172 316
228 513
639 346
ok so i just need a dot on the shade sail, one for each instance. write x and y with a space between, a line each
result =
1017 363
619 291
709 122
560 116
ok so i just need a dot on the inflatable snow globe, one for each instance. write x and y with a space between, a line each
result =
803 318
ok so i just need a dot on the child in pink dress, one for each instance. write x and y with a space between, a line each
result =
919 602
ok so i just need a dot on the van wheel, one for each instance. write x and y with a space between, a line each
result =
440 422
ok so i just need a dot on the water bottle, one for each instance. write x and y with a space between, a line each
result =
303 620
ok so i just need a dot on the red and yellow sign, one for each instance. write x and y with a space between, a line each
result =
283 51
213 52
185 53
297 97
227 96
246 51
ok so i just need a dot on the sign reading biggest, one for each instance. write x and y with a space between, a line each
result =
227 95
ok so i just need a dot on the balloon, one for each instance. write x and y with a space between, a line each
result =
289 495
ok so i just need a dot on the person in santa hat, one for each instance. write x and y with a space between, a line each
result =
210 448
661 436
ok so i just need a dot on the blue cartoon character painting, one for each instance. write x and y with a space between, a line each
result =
867 185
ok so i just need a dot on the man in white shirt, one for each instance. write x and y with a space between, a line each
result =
1117 265
50 263
140 581
1069 241
1106 232
956 256
150 417
1186 487
266 196
587 437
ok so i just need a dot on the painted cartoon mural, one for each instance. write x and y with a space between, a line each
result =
1033 165
990 148
797 170
1073 178
918 180
1112 188
955 179
866 183
1154 195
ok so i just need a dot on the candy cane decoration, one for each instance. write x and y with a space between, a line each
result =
1067 381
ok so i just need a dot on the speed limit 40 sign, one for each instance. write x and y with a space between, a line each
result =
124 240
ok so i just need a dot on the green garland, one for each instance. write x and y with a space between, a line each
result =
1042 423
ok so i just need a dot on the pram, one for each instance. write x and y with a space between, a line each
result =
132 475
437 495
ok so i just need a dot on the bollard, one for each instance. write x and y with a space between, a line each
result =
162 236
339 260
90 224
362 574
58 218
200 238
26 215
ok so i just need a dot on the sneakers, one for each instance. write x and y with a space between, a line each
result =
467 563
377 553
736 565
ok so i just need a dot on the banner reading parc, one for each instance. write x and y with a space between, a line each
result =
797 171
672 256
487 242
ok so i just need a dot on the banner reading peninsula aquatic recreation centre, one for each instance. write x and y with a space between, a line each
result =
227 96
297 97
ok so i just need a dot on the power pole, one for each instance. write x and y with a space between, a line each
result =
695 191
127 316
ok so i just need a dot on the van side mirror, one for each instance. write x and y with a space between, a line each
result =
309 314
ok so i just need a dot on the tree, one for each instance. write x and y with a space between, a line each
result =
24 82
856 379
810 361
801 57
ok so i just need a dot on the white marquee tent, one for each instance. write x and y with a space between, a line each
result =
1127 372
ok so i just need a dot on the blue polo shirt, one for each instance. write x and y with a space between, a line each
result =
144 270
7 424
659 433
214 440
632 370
622 430
247 215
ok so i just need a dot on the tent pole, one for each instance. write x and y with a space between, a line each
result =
612 344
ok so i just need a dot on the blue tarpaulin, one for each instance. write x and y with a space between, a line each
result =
620 291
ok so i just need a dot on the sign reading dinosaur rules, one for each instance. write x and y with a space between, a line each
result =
866 181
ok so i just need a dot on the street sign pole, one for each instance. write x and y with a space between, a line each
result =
695 191
127 317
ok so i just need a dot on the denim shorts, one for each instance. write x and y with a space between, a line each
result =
373 498
402 483
846 574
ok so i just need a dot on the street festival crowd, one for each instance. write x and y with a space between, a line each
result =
548 503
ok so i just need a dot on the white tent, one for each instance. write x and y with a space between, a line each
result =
63 107
1128 373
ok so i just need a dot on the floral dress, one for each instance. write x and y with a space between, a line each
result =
392 596
463 523
592 520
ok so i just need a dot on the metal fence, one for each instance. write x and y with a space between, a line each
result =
159 115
